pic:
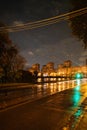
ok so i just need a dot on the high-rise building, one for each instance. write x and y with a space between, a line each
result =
50 66
60 66
44 69
35 67
68 63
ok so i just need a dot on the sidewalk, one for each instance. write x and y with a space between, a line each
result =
78 120
82 123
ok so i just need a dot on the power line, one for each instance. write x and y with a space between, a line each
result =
45 22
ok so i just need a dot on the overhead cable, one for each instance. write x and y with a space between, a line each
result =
45 22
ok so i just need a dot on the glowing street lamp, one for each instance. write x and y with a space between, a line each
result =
78 76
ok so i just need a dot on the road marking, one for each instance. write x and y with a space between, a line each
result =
54 109
49 101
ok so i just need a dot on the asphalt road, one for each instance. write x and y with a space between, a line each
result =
60 111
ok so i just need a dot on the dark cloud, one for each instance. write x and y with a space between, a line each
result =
31 9
49 43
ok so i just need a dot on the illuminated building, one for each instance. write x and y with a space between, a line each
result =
48 68
44 69
35 67
67 63
66 70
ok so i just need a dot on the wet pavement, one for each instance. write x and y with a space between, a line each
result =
16 95
82 123
64 108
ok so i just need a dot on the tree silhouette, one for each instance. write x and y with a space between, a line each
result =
10 60
79 24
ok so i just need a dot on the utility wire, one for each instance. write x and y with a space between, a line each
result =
45 22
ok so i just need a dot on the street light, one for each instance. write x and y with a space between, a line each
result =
78 76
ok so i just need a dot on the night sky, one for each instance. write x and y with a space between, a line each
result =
41 45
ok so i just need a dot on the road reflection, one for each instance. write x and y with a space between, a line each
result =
46 89
71 102
76 93
75 101
51 88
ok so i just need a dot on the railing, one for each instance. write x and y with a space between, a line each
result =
41 79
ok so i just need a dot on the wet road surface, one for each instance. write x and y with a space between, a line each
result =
60 111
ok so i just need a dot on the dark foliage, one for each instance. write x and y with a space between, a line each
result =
79 24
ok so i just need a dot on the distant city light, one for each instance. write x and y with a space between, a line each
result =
78 75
